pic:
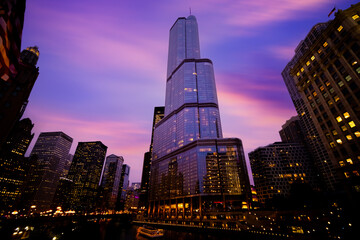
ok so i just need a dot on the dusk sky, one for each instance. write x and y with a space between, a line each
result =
103 66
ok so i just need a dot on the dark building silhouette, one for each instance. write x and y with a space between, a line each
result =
124 184
85 172
292 132
50 151
145 177
13 164
188 141
323 81
110 181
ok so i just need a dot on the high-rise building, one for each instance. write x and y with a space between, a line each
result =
110 182
277 166
85 172
67 165
145 177
191 163
324 77
51 151
291 131
13 164
124 184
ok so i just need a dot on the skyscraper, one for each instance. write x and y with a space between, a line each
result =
85 172
124 183
51 151
324 76
191 163
145 177
13 164
110 181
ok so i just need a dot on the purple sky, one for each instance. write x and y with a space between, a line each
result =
103 66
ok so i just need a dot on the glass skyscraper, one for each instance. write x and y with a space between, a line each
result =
194 170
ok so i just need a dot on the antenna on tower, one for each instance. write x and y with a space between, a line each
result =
190 10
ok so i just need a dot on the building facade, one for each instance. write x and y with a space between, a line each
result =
124 184
326 78
85 172
145 177
50 151
110 181
193 169
13 164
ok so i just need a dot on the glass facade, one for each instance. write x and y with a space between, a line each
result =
193 168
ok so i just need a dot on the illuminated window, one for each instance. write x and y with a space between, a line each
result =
349 161
340 83
307 63
348 78
334 132
322 88
328 135
346 115
194 73
314 75
309 97
302 69
330 103
356 173
312 58
341 163
303 113
336 98
352 124
319 51
327 83
344 128
315 94
331 90
339 141
339 119
357 134
355 17
347 175
340 28
332 145
325 44
298 74
349 137
354 63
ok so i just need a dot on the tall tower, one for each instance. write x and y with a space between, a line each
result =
324 77
51 151
191 162
85 172
110 182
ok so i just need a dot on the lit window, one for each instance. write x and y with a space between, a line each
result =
319 51
336 98
327 83
339 141
349 161
339 119
298 74
307 63
348 78
302 69
332 145
341 83
303 113
334 132
330 103
312 58
352 124
347 175
357 134
328 135
340 28
358 70
322 88
314 75
355 17
309 97
356 173
341 163
344 128
325 44
346 115
315 94
194 73
354 63
349 137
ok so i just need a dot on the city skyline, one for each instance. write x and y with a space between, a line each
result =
96 62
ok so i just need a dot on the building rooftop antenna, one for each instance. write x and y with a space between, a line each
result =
190 10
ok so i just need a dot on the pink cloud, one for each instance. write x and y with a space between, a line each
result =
283 52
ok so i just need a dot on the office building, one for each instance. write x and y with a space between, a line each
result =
110 182
13 164
145 177
324 77
124 184
194 170
85 172
50 151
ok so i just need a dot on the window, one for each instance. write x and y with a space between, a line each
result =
325 44
347 175
339 119
357 134
349 137
334 132
341 163
355 17
332 145
356 173
340 28
312 58
352 124
314 94
302 69
339 141
340 83
349 160
343 128
321 88
336 98
298 74
346 115
348 78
